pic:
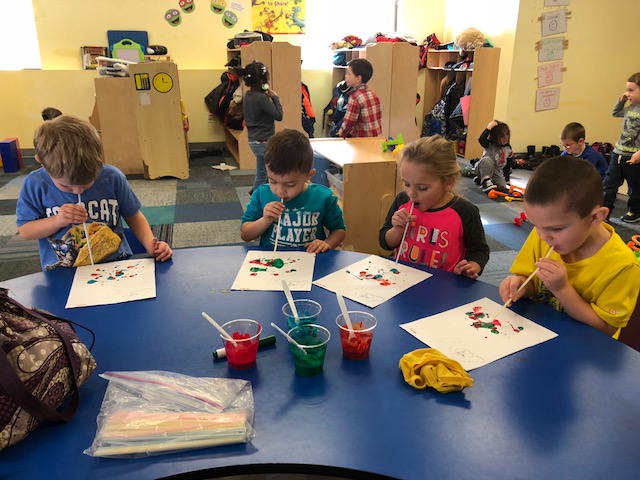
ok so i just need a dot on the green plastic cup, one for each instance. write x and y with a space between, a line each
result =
313 339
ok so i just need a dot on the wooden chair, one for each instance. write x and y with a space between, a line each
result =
630 335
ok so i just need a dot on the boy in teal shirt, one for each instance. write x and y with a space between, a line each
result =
311 216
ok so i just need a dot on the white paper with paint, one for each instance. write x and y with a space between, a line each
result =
373 280
261 271
113 282
470 335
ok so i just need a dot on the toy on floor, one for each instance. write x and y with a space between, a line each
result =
516 194
393 144
518 221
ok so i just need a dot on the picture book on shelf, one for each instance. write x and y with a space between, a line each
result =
89 55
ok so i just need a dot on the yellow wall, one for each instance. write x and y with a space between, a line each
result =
499 28
600 58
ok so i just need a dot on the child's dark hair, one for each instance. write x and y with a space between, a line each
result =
255 75
635 78
573 131
288 151
361 67
50 113
498 132
435 154
569 180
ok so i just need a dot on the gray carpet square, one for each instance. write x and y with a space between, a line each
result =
198 234
14 247
18 268
502 212
497 267
219 194
10 191
8 225
8 207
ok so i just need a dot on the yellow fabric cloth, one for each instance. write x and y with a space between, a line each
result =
427 367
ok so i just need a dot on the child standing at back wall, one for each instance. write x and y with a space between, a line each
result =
590 274
445 230
308 211
363 117
261 108
625 158
493 170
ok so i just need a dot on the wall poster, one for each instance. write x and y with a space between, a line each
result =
278 16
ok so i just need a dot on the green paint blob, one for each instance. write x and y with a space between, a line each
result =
277 262
257 269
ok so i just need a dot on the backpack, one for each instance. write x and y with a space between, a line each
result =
604 149
308 115
430 42
219 98
338 104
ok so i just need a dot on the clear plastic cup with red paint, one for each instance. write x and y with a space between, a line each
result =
356 343
243 351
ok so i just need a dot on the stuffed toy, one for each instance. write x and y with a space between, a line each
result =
468 40
350 41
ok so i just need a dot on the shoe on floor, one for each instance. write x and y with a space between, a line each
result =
630 217
476 180
487 185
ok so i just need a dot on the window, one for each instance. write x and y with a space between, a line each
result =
18 37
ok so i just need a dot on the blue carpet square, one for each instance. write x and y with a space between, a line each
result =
159 215
509 234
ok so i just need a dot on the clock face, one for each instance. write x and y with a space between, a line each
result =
162 82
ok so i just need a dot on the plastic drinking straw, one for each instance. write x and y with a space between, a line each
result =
508 302
292 305
406 228
86 234
291 340
219 328
345 314
275 246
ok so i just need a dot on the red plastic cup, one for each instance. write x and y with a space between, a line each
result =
356 343
246 335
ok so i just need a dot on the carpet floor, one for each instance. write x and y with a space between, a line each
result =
206 208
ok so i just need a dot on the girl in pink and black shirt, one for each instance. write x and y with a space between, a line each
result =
445 230
363 117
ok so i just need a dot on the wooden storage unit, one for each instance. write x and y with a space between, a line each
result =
369 186
395 81
483 88
140 121
283 61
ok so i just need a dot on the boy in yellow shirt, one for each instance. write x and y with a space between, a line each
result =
591 274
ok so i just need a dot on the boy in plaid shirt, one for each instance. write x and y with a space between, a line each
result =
364 115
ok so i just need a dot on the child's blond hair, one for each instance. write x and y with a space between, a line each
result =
435 154
70 149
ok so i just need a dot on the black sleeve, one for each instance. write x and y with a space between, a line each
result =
473 235
400 199
484 138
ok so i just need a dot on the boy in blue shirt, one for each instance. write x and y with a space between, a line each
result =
573 142
307 210
73 189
